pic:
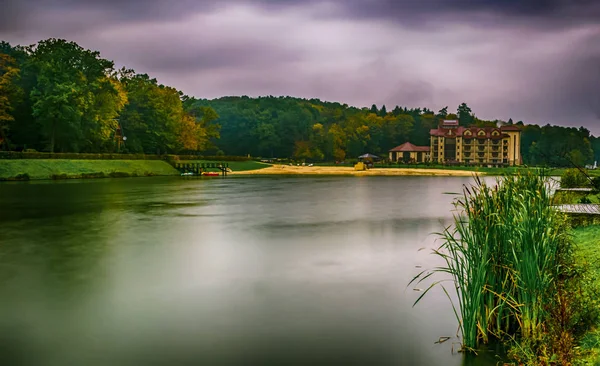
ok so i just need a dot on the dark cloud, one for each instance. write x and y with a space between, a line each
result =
535 60
530 9
11 15
181 59
578 90
19 13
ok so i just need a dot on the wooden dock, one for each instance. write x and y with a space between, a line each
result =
581 214
575 189
581 208
199 168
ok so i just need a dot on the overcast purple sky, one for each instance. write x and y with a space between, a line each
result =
531 60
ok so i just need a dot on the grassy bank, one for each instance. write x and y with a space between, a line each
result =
588 257
24 169
573 197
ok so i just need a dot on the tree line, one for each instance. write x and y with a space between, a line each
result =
310 129
57 96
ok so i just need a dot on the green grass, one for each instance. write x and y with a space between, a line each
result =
64 168
236 166
573 197
588 256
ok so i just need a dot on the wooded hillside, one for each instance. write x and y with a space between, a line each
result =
57 96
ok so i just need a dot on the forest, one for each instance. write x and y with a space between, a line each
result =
56 96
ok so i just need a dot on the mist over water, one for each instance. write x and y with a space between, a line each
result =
236 271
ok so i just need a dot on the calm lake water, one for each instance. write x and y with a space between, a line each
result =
235 271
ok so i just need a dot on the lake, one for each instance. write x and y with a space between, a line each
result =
234 271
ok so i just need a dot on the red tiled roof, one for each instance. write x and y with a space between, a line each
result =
450 122
408 147
510 128
447 131
460 131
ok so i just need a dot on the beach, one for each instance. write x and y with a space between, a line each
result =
332 170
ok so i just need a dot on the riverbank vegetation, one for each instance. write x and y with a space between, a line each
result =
578 186
510 258
57 96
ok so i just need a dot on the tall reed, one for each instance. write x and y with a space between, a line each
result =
501 255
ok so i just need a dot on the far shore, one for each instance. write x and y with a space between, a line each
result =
331 170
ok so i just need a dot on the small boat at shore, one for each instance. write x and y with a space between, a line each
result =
210 174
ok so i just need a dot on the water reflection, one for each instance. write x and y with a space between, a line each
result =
243 271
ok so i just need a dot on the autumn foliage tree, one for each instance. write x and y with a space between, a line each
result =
10 93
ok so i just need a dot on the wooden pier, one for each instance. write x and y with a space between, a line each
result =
575 190
581 208
199 168
582 214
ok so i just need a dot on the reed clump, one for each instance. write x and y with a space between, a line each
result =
508 257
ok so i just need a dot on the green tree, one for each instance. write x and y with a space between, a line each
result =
443 113
338 137
465 115
383 112
70 81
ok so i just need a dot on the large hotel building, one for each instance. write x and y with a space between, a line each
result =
451 143
454 144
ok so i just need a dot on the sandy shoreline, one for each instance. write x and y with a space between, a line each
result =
332 170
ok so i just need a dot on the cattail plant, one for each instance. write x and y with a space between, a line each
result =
501 256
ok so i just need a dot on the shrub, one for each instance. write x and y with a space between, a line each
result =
596 184
93 175
118 175
22 177
91 156
574 178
